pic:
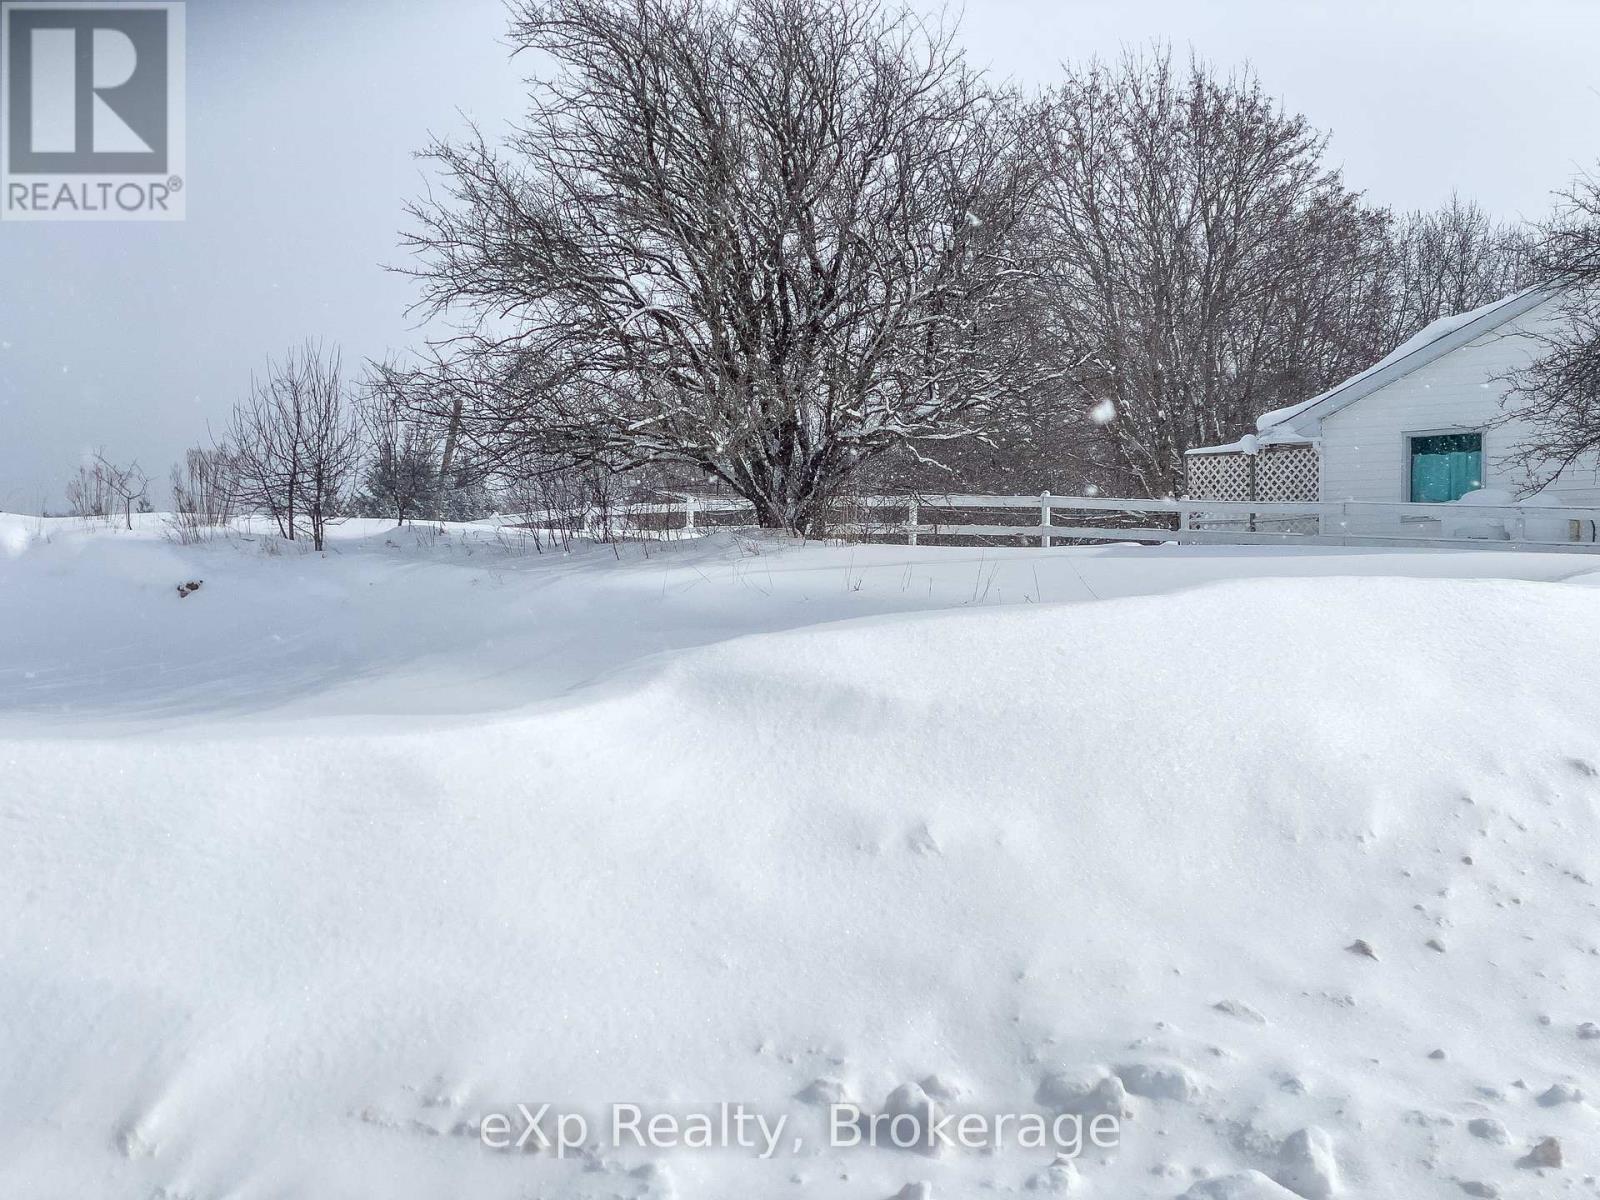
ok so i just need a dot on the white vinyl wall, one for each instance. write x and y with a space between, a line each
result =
1364 448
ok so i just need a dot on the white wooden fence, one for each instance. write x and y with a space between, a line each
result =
1205 522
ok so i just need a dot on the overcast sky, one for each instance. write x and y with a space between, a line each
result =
302 117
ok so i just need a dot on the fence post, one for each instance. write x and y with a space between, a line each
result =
688 516
1044 518
912 520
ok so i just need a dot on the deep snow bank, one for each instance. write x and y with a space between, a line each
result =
267 956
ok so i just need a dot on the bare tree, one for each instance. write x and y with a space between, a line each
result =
1202 267
294 442
88 493
103 488
402 476
202 492
1205 266
769 241
1453 260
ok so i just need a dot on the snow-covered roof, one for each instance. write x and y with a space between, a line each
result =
1433 343
1299 423
1250 443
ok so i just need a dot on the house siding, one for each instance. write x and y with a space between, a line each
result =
1364 446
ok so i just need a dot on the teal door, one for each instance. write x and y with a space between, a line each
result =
1445 466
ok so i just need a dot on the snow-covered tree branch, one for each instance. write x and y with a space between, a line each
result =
769 241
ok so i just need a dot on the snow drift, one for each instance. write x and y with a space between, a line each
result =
1304 865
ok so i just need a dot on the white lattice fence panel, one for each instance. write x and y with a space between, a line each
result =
1218 477
1286 473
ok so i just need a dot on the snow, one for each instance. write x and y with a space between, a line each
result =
308 871
1251 443
1501 526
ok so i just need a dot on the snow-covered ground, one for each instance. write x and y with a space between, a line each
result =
305 873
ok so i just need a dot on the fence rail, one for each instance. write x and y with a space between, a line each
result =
1202 522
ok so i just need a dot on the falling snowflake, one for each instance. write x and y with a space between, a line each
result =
1103 413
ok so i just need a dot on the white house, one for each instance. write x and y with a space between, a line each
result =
1425 424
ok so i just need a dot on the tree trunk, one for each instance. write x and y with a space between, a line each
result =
800 515
772 513
451 435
